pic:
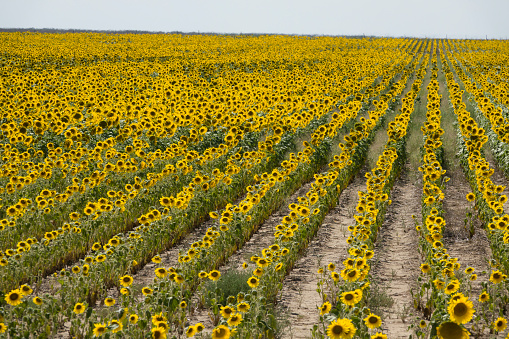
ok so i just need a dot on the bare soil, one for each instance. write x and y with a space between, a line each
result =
397 258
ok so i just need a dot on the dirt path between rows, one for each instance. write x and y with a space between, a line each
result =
397 260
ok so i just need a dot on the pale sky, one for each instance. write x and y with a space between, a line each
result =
432 18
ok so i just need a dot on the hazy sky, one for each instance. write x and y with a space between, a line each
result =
425 18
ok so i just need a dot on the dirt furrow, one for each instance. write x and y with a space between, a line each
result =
397 258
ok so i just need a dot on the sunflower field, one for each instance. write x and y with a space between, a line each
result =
177 186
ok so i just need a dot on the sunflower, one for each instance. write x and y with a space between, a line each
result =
450 330
214 275
146 291
25 289
423 324
99 329
496 277
37 301
425 268
452 287
161 272
373 321
158 333
253 282
258 271
227 311
470 196
156 259
379 336
109 301
79 308
199 327
469 270
500 324
116 323
162 324
221 332
133 318
461 311
243 307
341 329
350 275
126 280
325 308
191 331
439 284
349 298
158 317
179 279
484 297
263 262
14 297
3 327
235 319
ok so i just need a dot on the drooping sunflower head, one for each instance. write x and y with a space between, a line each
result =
451 330
109 301
221 332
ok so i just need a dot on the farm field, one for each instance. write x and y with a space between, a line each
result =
222 186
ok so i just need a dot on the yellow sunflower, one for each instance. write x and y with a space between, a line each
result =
221 332
451 330
126 280
341 329
235 319
191 331
14 297
214 275
325 308
99 329
253 282
500 324
79 308
373 321
496 277
461 310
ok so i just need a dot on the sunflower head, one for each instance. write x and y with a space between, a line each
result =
461 310
451 330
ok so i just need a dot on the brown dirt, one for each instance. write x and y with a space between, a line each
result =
397 259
